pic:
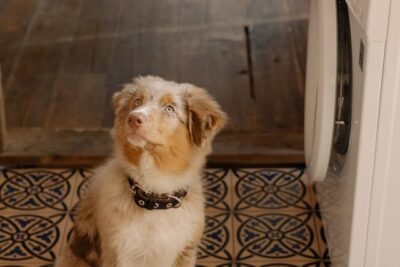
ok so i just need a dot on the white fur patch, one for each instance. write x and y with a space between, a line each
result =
153 240
144 110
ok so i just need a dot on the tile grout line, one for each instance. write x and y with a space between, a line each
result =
232 192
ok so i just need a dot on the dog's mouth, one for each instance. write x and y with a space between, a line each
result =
139 140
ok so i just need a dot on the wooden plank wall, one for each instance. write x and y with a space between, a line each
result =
56 51
2 118
63 60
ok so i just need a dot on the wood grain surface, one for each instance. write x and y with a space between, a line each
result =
62 60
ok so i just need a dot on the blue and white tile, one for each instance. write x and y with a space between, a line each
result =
36 190
275 237
30 238
217 190
34 204
216 246
262 217
260 190
283 264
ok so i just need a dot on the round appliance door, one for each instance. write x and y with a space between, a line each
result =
320 96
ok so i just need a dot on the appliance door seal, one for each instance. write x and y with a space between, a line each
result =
320 87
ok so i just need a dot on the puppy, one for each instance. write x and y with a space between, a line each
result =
145 206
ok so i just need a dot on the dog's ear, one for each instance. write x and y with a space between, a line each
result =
116 99
205 117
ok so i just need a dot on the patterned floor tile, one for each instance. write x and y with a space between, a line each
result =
275 237
263 217
322 243
216 245
30 238
34 204
283 190
217 190
36 190
282 264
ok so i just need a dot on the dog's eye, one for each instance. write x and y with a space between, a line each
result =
138 102
169 109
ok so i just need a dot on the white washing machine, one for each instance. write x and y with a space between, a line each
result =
352 76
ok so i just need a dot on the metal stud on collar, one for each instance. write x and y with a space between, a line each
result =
177 199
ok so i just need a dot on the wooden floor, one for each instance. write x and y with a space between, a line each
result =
63 59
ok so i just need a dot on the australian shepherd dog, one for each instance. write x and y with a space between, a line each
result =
145 206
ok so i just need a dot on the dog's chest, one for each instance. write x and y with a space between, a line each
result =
160 234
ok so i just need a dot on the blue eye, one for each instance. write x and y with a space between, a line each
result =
169 109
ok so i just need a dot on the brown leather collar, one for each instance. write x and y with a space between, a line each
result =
153 201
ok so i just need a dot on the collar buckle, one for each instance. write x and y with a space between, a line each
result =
178 200
132 188
151 201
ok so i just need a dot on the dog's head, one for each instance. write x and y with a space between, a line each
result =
171 122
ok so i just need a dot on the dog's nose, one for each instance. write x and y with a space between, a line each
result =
136 119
